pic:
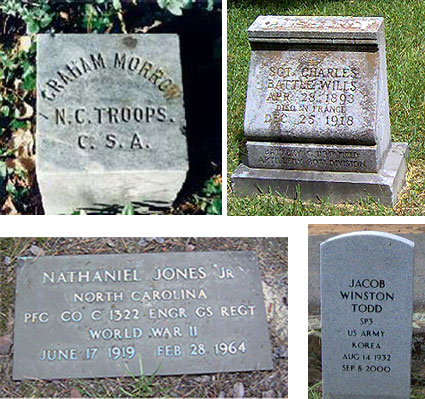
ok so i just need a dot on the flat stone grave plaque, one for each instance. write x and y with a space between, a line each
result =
110 120
317 101
177 313
366 283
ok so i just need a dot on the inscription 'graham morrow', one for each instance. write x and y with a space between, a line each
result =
76 69
99 320
366 292
110 120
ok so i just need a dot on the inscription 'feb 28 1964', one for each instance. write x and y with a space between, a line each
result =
179 313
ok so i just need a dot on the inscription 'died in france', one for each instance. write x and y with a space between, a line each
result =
309 96
177 313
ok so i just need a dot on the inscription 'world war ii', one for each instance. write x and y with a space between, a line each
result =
175 317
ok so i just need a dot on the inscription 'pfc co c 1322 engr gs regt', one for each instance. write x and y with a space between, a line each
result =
177 313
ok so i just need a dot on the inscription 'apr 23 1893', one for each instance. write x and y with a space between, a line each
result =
96 316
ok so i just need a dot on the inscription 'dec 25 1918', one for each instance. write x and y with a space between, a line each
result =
179 313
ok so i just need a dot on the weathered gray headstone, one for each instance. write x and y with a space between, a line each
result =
317 101
110 119
366 283
177 313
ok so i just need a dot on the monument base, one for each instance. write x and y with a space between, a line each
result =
64 193
334 186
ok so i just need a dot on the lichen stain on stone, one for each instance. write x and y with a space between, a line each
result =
372 61
270 58
130 42
172 91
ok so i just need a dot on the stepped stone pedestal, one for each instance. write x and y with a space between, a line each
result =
317 113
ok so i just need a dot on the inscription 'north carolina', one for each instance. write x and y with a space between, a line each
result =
178 313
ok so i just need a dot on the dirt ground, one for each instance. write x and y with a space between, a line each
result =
272 258
314 229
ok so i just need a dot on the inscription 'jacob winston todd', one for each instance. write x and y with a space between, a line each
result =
76 69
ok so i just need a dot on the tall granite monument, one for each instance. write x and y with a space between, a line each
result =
366 281
103 315
317 112
110 120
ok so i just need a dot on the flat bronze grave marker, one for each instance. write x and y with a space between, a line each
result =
177 313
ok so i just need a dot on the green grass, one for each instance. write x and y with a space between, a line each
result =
314 392
405 45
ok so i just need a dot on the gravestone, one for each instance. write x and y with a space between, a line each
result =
317 111
176 313
110 120
366 283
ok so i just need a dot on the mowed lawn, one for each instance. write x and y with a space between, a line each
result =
405 39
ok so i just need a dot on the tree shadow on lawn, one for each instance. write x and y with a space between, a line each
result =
282 5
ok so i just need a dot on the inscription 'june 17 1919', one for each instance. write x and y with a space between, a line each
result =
178 312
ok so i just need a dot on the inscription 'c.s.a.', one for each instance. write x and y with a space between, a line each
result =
76 69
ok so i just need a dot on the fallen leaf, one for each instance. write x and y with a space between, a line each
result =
25 43
27 112
22 143
64 15
239 390
75 393
8 208
5 344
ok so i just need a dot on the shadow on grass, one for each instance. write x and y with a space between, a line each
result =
288 4
139 208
